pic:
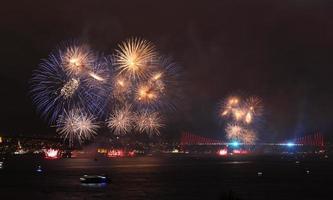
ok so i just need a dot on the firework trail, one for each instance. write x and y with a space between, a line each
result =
69 88
76 126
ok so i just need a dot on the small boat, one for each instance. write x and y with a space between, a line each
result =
39 169
94 179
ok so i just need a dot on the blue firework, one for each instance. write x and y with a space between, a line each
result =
160 90
54 90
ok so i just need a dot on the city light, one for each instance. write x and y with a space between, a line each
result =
235 144
131 153
222 152
290 144
239 151
115 153
51 153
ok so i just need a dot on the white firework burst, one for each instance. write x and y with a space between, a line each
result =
121 121
76 125
149 122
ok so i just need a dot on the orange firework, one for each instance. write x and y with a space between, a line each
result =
135 56
254 105
78 59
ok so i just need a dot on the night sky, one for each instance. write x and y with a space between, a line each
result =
278 50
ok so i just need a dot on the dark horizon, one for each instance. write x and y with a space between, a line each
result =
279 51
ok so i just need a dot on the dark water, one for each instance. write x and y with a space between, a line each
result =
173 177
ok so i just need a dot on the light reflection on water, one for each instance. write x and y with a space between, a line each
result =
94 185
165 178
137 163
235 162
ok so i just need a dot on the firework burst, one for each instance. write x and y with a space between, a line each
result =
121 121
239 133
146 94
149 122
135 56
161 90
76 125
229 106
242 111
254 106
53 91
238 114
242 115
122 89
75 86
234 131
249 137
77 59
168 83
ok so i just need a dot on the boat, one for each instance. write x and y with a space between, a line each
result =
39 169
95 179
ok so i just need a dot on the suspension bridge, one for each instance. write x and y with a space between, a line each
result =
314 140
